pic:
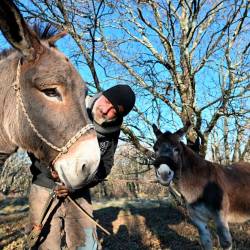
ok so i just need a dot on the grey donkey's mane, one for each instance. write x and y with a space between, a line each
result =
42 30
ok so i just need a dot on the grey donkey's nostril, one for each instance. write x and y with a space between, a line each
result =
83 167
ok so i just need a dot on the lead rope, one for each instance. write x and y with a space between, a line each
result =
88 215
62 150
37 229
92 219
17 89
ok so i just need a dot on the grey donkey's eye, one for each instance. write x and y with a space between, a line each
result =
52 92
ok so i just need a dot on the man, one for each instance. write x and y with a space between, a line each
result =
63 221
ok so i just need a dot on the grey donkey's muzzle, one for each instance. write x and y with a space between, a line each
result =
78 167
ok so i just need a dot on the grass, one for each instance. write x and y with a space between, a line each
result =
135 224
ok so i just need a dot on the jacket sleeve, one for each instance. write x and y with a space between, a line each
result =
105 165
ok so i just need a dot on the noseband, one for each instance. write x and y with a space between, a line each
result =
61 150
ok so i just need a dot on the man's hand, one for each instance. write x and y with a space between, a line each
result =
61 191
55 175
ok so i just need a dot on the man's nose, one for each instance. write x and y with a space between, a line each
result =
106 109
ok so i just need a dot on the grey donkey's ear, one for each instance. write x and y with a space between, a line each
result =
156 131
52 40
16 31
181 132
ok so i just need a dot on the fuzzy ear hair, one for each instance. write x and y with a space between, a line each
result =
182 132
157 131
56 37
195 146
16 31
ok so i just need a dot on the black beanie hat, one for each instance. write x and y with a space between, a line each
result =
122 97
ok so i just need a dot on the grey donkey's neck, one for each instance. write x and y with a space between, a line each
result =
8 114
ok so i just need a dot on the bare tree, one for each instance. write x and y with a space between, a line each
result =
188 61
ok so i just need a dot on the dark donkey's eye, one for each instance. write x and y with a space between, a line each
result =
176 150
52 92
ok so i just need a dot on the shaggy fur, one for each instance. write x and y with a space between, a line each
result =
53 94
212 191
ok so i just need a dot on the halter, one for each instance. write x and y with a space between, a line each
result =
61 150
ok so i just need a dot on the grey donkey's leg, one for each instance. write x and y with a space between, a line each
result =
223 232
200 219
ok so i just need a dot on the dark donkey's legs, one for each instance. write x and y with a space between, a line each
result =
199 215
223 230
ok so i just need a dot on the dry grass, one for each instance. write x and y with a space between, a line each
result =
134 224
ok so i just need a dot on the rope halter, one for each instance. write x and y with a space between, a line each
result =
61 150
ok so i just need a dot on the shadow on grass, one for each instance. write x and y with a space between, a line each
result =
241 236
150 229
158 228
135 227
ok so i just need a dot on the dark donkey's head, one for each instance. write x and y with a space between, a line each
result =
168 150
44 112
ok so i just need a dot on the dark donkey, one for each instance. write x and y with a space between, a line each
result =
42 103
212 191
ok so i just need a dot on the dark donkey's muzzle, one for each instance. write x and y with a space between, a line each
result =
164 173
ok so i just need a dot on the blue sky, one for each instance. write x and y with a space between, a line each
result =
207 79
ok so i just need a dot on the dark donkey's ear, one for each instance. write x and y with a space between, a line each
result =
156 131
16 30
181 132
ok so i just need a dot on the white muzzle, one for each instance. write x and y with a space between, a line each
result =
78 167
164 174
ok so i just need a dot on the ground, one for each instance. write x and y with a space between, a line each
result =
134 224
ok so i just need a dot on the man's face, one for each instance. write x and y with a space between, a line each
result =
104 111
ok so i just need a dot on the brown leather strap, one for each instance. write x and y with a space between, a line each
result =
37 228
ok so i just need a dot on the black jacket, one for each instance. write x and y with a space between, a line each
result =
107 135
